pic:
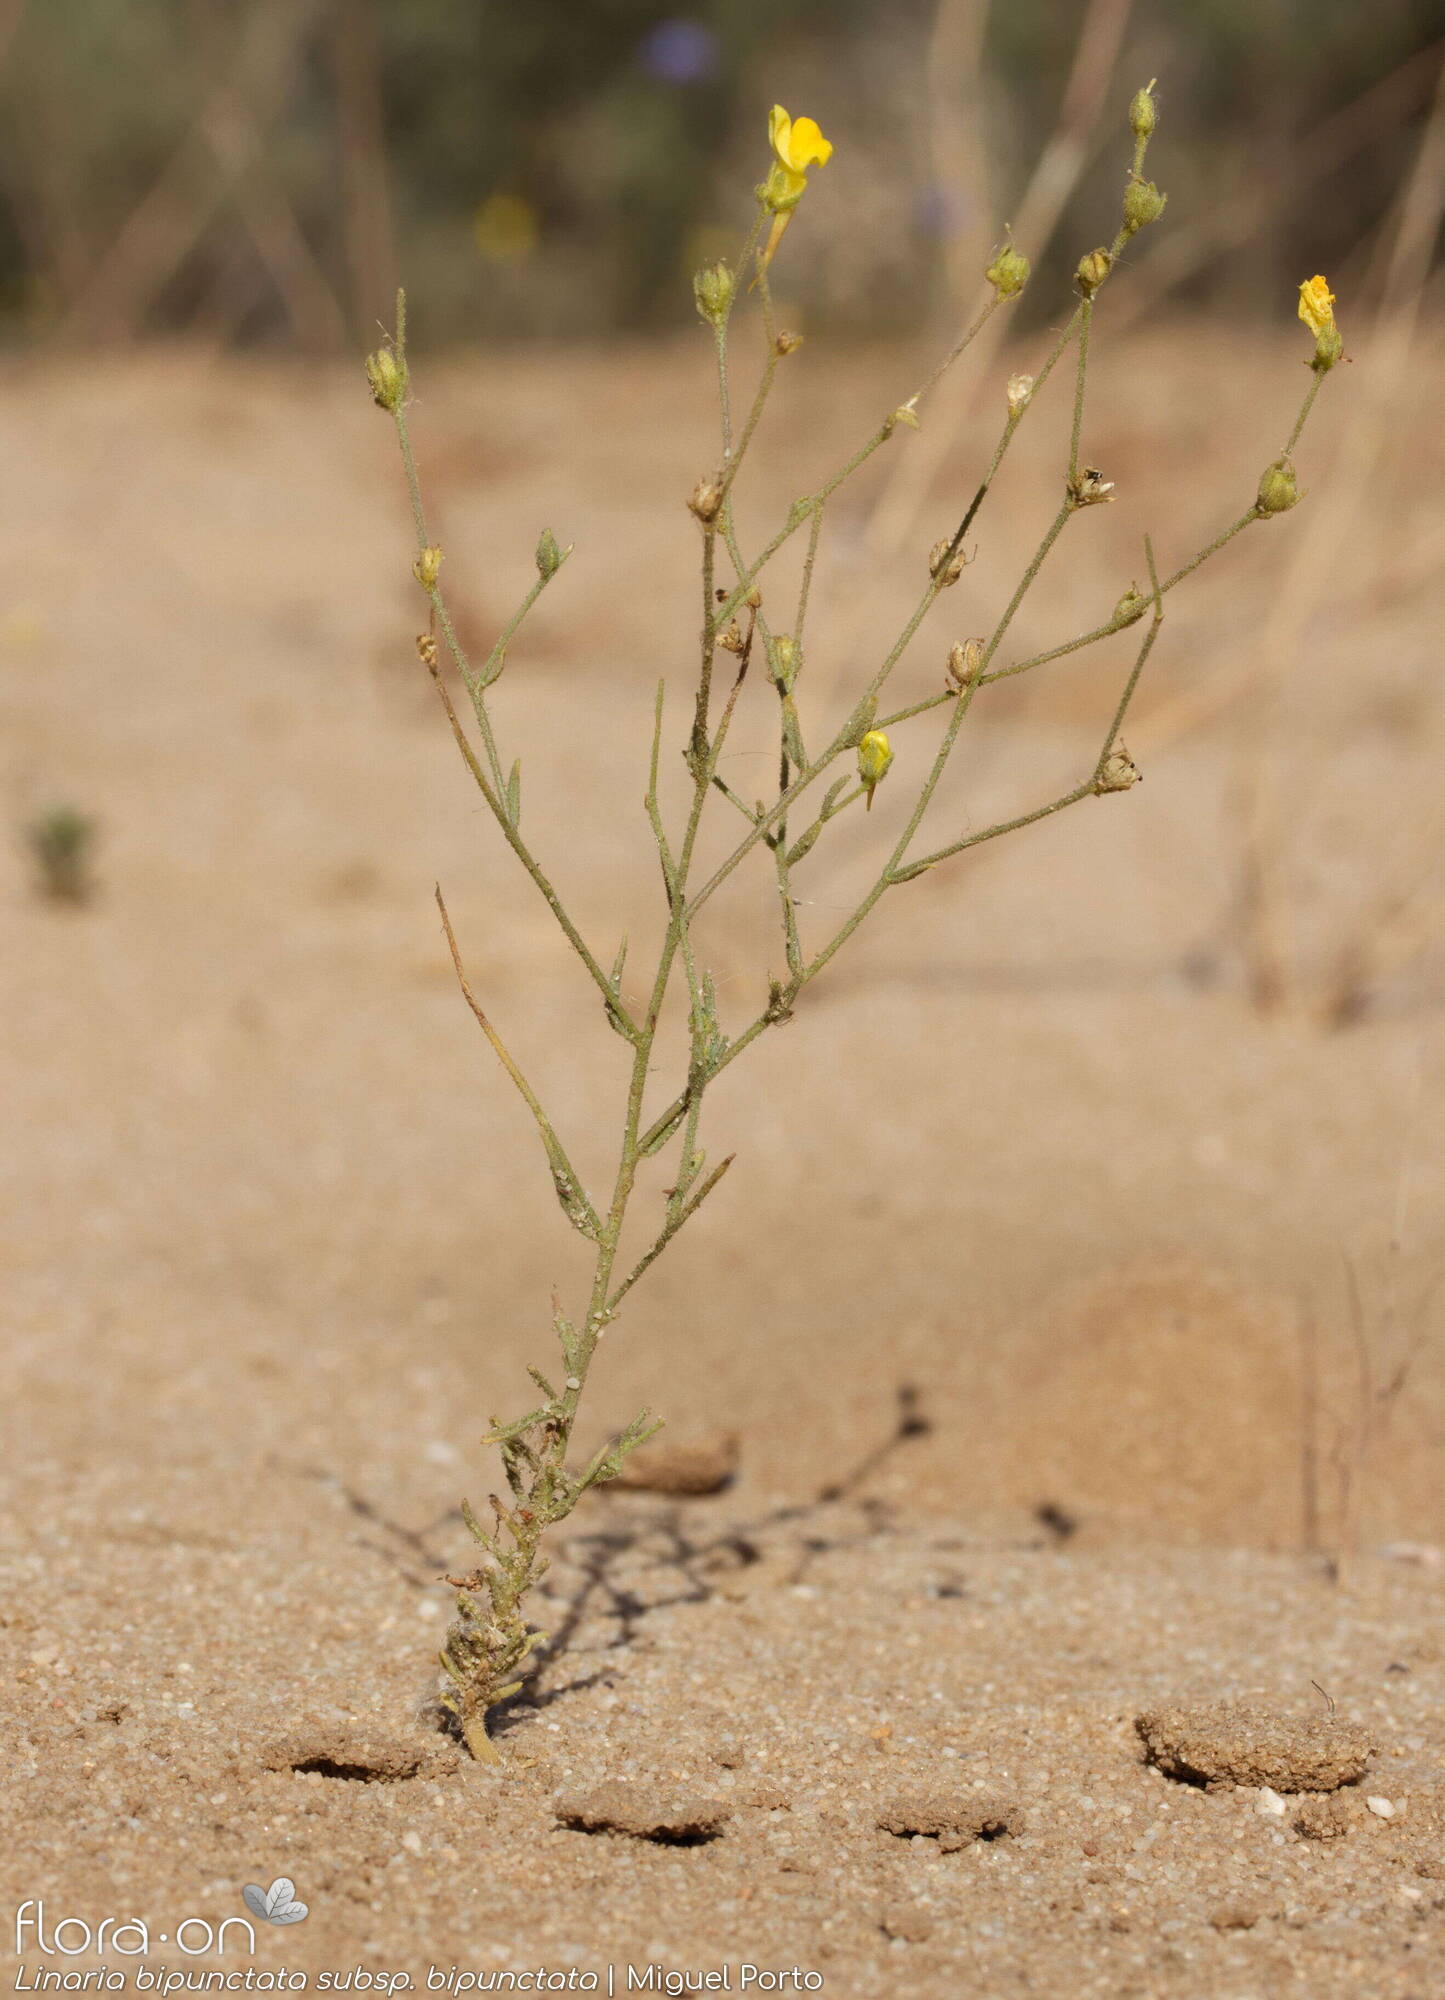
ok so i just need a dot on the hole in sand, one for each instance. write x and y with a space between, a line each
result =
356 1774
656 1837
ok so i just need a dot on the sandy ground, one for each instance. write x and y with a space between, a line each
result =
1031 1169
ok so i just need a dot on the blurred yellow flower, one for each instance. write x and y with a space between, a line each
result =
505 228
1317 305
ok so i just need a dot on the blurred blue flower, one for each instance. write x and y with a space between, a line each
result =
940 211
680 51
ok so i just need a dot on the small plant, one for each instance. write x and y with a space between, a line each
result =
61 842
823 771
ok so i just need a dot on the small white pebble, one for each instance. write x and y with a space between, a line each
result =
428 1608
411 1842
1270 1802
1381 1808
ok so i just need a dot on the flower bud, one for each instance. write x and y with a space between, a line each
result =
785 661
1130 608
732 640
1143 113
1278 491
875 754
427 567
906 414
1142 203
1009 272
705 500
1092 271
426 649
549 557
387 376
1119 774
943 567
712 289
786 344
965 662
1020 393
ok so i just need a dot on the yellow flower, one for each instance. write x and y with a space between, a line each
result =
798 144
1317 306
1317 310
875 754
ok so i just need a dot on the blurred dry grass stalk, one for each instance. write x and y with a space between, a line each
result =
1402 913
490 1641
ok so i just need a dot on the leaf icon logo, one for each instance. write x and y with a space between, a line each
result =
276 1905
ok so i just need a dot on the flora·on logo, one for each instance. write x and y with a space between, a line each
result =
129 1937
276 1905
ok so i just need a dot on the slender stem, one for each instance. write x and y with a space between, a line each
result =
439 607
1305 407
1111 737
669 1229
806 585
1086 320
529 862
720 332
918 708
1104 631
569 1186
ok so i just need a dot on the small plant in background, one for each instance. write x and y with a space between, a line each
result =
825 767
62 844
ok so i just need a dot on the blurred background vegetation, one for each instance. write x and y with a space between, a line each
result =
260 172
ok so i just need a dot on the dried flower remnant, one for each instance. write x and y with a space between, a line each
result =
705 500
965 662
1119 772
1089 487
946 563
